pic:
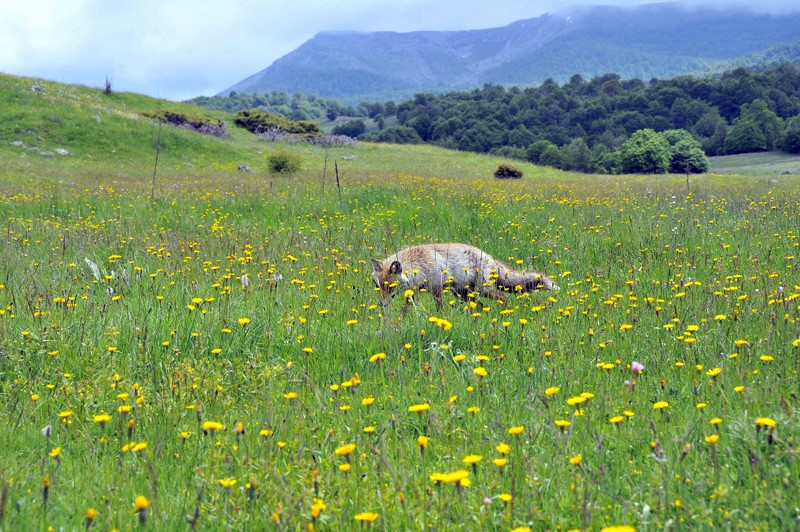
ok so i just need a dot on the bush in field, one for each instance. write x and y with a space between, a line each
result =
790 141
395 135
505 171
745 137
646 152
200 124
258 122
352 128
687 153
284 163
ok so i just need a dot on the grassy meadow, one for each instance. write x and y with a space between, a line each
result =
204 350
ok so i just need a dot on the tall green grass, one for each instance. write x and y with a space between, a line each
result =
246 300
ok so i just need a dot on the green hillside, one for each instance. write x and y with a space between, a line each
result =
113 133
94 126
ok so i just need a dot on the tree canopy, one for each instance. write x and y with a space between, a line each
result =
552 124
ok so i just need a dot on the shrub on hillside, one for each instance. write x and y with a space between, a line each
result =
791 136
257 122
505 171
284 163
200 124
645 152
395 135
352 128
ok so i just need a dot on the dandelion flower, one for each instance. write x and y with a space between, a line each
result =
101 419
345 449
660 405
472 459
765 422
552 390
437 477
456 476
141 503
317 508
211 426
516 431
366 517
419 408
576 460
227 482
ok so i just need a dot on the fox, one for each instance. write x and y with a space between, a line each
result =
462 268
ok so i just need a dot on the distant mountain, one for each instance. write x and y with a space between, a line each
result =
653 40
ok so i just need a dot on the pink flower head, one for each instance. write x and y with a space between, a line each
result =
636 367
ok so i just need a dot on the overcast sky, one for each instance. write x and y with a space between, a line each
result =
178 49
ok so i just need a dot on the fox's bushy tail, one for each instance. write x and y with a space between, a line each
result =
525 281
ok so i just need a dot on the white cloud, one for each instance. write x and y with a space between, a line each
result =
182 48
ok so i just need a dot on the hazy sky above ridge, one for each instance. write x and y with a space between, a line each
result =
178 49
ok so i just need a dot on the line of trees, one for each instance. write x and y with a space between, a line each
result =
583 125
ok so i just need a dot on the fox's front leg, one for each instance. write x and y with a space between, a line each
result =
438 296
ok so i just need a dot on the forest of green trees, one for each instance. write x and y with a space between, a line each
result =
602 125
593 125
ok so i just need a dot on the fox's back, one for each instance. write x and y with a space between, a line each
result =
459 262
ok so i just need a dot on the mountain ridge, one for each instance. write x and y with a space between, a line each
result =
653 40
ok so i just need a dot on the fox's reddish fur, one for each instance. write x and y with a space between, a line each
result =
459 267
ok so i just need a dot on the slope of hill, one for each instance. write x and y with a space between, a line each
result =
656 40
69 136
75 124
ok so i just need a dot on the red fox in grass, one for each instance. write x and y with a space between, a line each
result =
462 268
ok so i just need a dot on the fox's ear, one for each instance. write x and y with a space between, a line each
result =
377 264
395 268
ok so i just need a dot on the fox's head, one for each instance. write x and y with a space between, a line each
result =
387 280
